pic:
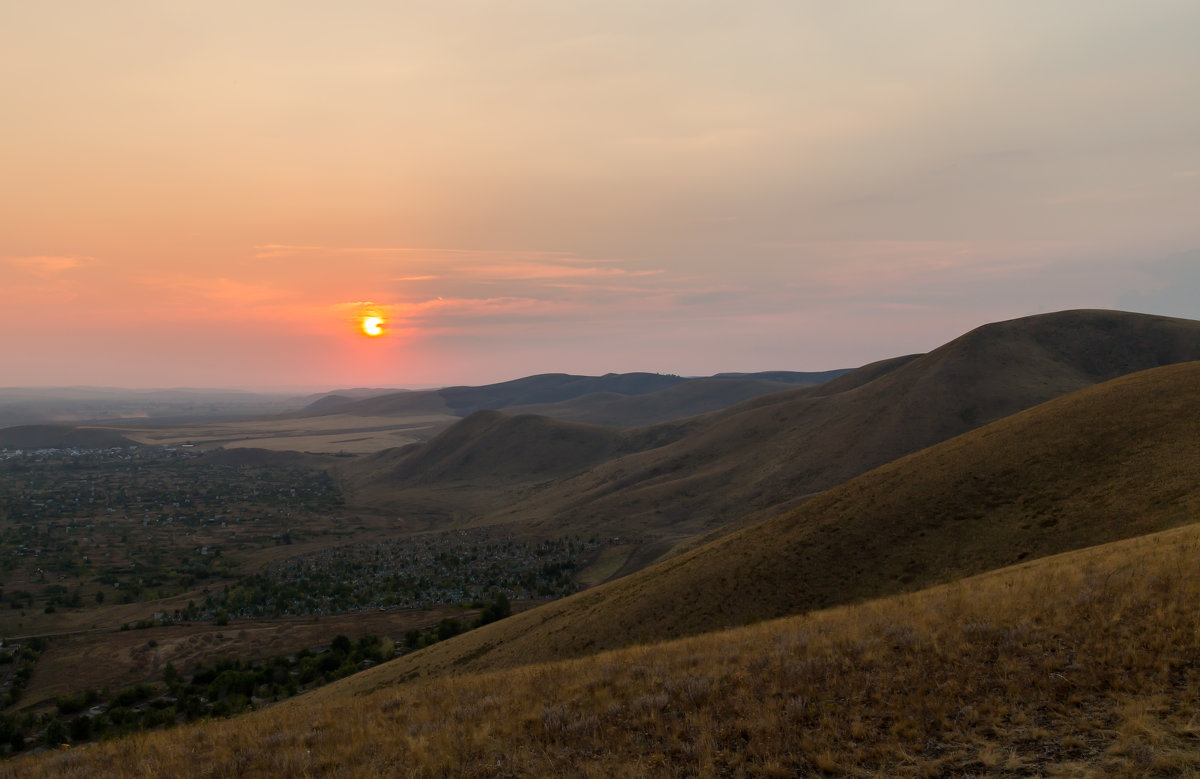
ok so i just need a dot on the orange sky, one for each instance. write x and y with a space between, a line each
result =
208 194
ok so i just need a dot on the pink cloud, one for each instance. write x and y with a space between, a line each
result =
49 265
533 271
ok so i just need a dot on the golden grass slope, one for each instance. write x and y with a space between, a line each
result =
1110 462
1084 664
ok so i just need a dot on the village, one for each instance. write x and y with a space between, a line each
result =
126 525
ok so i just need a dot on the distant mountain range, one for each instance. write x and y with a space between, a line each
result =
620 399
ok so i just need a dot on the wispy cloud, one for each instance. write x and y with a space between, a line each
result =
534 271
49 265
215 298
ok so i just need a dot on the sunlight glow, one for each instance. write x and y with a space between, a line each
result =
372 326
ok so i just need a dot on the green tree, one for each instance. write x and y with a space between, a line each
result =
56 733
341 645
81 728
448 628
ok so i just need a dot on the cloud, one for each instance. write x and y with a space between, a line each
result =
272 250
533 271
213 298
50 265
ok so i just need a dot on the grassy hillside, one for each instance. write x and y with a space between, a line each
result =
760 457
1083 664
1113 461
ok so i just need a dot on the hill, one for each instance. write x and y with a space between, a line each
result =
493 448
489 458
1079 665
757 458
463 401
619 399
1110 462
60 437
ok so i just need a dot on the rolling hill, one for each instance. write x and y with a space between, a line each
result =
1113 461
744 463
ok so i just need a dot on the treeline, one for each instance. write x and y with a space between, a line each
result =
24 658
450 627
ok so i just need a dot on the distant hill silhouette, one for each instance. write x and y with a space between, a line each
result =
618 399
462 401
690 398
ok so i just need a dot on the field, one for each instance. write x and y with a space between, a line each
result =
333 434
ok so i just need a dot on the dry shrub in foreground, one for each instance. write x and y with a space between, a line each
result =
1082 664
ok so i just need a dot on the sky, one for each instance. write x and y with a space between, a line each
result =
214 194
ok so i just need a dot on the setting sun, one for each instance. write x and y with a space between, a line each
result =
372 326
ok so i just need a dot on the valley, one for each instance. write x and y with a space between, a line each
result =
984 506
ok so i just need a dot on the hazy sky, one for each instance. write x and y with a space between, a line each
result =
210 193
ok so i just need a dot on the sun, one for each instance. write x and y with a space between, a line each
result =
372 326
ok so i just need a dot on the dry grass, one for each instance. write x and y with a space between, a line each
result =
1114 461
330 433
1085 664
